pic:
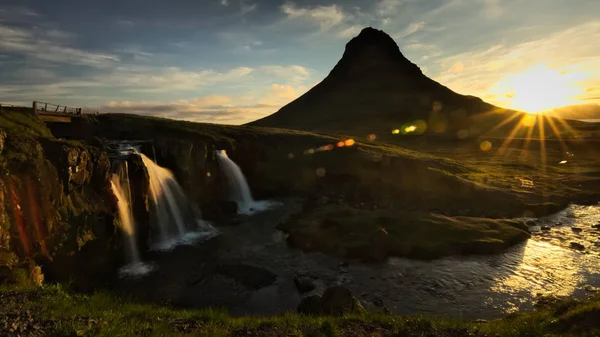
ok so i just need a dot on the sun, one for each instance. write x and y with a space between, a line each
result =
539 88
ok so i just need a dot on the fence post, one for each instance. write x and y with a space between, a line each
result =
34 106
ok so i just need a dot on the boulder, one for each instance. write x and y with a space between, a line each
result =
576 229
596 226
577 246
310 305
338 301
304 283
545 228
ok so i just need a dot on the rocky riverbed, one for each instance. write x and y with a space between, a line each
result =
249 269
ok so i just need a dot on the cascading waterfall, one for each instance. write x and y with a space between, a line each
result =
120 186
239 191
176 218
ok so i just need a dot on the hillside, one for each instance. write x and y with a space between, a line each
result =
375 89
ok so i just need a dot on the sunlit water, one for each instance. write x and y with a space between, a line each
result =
485 286
121 189
176 220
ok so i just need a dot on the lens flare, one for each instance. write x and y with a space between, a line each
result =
321 172
395 131
349 142
410 129
485 145
340 144
372 137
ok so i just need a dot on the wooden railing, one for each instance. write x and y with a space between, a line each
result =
49 108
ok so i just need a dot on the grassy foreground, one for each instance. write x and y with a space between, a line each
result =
52 311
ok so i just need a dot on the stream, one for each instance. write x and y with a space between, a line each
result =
249 269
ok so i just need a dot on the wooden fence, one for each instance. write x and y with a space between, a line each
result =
49 108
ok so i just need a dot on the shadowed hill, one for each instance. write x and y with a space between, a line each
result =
375 87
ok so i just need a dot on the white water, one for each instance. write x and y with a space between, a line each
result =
239 191
120 186
176 219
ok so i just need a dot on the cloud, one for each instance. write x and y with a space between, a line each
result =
293 73
410 29
567 50
492 9
224 3
350 32
43 46
213 109
385 8
324 16
246 8
16 13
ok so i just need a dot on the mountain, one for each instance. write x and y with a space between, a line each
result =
373 88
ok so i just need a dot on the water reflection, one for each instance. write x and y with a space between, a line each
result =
488 286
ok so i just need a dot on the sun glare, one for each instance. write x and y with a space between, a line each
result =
539 88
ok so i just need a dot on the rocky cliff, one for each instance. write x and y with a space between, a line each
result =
56 208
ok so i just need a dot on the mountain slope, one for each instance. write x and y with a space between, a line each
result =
375 88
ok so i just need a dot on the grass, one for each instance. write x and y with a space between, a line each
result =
58 312
374 234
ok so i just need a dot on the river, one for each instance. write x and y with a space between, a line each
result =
462 287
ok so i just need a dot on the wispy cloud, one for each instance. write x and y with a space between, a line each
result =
325 17
410 29
214 109
42 46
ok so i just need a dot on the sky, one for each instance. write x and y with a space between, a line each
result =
234 61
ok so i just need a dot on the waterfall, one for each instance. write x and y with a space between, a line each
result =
176 219
239 191
121 189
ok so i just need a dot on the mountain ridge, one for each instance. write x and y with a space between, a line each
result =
374 86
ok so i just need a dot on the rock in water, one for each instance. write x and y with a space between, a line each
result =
577 246
310 305
339 301
576 229
596 226
304 283
545 228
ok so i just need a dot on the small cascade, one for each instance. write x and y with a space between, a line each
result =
176 219
120 186
239 191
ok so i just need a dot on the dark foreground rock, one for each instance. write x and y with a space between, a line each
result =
304 283
335 301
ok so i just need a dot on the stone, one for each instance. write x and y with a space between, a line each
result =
338 301
530 223
546 228
596 226
304 283
576 229
577 246
310 305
